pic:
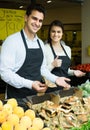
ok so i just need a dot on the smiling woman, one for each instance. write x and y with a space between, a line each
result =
58 54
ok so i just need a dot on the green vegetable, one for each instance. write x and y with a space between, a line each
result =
85 88
85 93
85 126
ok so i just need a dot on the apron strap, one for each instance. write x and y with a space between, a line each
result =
54 51
24 40
65 51
23 37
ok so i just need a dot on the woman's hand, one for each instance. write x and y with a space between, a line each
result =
57 62
79 73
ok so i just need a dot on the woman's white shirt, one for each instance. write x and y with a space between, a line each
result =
50 57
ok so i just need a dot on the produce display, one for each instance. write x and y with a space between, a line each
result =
14 117
82 67
72 112
59 113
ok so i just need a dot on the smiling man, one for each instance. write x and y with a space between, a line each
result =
22 58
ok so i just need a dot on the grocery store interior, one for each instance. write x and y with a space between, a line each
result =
73 13
66 109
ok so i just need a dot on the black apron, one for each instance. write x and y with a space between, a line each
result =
61 71
29 70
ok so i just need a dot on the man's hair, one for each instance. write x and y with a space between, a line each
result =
37 7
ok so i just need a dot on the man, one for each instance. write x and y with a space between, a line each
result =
23 61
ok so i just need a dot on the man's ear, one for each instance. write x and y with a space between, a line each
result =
25 17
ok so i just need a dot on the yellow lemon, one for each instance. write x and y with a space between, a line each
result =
6 126
13 119
7 108
3 116
18 111
38 122
1 105
13 102
20 127
26 121
30 113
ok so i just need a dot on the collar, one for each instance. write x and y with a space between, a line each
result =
27 39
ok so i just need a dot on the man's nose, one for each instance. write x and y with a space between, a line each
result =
38 22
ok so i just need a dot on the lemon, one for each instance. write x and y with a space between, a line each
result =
0 128
19 127
13 119
6 126
18 111
26 121
3 116
13 102
38 122
7 108
30 113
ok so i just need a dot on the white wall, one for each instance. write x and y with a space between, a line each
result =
85 30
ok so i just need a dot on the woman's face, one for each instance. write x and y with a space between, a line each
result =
56 33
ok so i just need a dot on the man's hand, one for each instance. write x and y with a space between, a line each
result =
62 81
39 87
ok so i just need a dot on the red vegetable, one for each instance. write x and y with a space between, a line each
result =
82 67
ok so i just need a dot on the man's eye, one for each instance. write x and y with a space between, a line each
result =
34 18
40 21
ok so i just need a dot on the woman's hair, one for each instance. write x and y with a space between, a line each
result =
54 23
37 7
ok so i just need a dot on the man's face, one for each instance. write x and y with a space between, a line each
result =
34 21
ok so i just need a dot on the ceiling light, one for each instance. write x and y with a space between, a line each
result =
49 1
21 7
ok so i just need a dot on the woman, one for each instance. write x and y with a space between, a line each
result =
58 54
